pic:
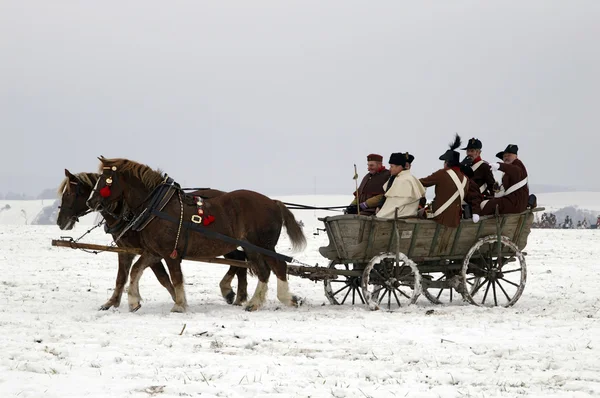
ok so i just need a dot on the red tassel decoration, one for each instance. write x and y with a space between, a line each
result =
173 254
105 192
207 220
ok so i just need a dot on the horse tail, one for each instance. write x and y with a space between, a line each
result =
294 230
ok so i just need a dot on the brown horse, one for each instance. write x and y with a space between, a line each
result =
241 215
75 190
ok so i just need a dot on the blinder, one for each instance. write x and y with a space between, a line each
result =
75 217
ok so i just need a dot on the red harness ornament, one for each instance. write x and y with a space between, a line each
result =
201 217
105 192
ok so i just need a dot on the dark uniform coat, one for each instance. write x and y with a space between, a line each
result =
483 177
444 189
474 197
371 190
515 202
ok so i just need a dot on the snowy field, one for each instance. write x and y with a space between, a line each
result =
55 343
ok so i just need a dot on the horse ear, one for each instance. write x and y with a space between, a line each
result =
101 158
68 174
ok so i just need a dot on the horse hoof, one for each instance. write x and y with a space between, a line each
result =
178 308
104 307
251 308
230 297
134 309
297 301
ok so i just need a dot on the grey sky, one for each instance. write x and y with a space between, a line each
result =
275 95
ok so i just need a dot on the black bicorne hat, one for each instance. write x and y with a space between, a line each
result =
473 143
511 148
451 157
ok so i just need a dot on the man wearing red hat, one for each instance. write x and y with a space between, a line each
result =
370 190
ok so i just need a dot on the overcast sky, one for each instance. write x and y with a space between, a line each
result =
283 97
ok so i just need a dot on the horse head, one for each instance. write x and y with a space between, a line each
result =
108 188
123 180
74 191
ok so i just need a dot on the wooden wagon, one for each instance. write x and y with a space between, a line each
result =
391 262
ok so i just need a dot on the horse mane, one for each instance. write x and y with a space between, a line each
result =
88 179
149 177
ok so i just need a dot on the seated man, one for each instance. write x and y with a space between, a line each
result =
402 191
483 177
370 190
515 197
450 188
473 196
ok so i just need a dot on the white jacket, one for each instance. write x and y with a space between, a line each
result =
404 194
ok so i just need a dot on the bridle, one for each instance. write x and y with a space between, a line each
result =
112 180
105 192
75 217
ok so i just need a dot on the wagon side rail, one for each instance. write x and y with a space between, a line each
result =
356 238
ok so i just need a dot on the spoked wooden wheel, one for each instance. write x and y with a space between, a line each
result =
345 289
389 284
490 279
438 286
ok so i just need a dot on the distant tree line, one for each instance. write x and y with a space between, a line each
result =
49 193
568 218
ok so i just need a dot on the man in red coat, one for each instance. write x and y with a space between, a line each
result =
451 186
515 196
370 192
473 196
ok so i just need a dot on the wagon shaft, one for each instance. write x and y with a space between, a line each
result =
135 250
90 246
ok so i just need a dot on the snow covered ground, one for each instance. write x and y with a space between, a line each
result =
55 343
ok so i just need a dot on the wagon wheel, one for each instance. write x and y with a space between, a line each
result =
345 289
387 283
442 291
491 280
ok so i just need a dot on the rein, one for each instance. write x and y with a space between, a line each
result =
70 239
296 206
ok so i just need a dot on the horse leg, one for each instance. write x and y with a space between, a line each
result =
279 267
177 279
125 260
133 294
161 274
225 285
263 273
242 288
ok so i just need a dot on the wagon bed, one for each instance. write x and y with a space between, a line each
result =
355 238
